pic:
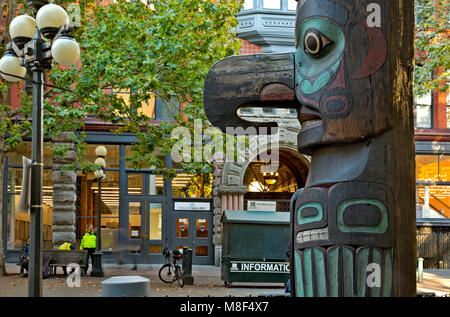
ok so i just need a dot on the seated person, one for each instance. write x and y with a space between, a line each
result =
66 246
25 258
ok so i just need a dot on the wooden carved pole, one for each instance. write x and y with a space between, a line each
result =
350 80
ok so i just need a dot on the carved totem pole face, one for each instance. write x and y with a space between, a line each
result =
342 223
336 59
353 95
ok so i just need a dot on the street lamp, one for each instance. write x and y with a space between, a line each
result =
34 44
97 267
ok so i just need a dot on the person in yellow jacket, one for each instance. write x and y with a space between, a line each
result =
89 243
66 246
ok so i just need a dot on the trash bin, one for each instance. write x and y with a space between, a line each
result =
254 247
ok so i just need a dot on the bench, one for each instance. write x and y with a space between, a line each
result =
63 258
60 258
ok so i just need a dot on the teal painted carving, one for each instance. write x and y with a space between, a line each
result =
363 211
315 213
319 53
342 271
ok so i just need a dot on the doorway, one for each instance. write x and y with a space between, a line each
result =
146 217
192 227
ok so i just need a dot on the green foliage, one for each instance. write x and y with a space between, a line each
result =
432 46
160 49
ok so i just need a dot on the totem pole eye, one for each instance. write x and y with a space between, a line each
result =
315 42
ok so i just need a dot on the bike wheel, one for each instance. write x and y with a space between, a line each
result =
166 274
180 276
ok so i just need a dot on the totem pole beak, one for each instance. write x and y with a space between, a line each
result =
259 80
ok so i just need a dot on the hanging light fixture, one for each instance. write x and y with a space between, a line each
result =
270 178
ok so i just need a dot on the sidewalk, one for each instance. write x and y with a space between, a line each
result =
435 281
207 282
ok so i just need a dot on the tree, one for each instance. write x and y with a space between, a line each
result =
432 46
61 107
161 49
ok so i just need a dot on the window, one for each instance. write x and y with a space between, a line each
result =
292 5
87 198
154 107
18 223
190 186
448 110
248 4
433 168
423 112
272 4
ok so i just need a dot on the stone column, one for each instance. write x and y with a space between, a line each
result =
64 192
224 198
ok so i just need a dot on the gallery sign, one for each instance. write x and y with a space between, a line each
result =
192 206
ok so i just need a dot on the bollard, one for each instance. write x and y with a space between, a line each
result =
187 267
420 270
126 286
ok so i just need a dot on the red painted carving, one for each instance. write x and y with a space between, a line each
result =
376 55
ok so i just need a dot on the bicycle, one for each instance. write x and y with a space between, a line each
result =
171 271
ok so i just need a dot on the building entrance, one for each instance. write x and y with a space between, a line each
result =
157 220
192 226
147 207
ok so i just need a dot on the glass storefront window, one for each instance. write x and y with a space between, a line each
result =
438 199
140 159
134 209
182 227
433 168
201 227
427 168
87 207
155 221
444 168
189 185
156 184
19 222
24 149
135 184
112 156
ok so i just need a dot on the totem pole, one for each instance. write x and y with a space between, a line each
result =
350 80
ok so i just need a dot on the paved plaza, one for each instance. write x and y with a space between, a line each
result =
207 282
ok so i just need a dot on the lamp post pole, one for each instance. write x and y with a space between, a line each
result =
36 232
97 266
99 215
37 60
